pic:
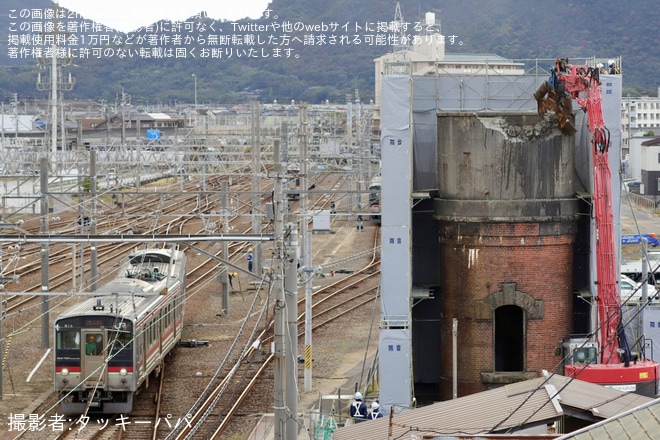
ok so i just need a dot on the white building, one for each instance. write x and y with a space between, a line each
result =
644 163
424 54
639 115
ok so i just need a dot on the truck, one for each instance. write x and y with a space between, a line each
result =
604 356
634 268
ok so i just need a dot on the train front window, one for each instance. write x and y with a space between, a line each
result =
93 344
120 341
68 339
374 196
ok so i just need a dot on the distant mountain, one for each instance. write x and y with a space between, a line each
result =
516 29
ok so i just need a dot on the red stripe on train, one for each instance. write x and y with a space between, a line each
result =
115 369
71 368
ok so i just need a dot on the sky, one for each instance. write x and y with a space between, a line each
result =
128 15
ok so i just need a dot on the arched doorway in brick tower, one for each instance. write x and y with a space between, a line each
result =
509 349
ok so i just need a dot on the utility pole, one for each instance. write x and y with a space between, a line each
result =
291 291
279 345
45 324
14 104
358 126
256 182
58 81
195 110
94 270
306 249
291 298
125 101
349 137
3 280
225 247
53 101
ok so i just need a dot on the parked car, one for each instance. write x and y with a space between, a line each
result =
631 291
634 187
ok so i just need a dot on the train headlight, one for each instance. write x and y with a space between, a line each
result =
123 372
65 371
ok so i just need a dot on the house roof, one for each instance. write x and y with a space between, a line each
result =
642 422
522 404
160 116
652 142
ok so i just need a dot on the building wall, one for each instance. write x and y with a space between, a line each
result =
639 115
507 223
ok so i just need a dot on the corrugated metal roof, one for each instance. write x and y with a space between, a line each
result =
639 423
526 403
651 142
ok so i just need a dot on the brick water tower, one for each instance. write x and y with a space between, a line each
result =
507 221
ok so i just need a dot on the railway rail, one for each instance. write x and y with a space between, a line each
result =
221 403
200 276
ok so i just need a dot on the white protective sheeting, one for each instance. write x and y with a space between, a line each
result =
651 323
395 369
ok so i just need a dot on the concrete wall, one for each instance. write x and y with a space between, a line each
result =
507 215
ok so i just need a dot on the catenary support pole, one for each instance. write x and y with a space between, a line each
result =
279 344
306 250
93 250
291 296
225 248
454 357
256 183
45 324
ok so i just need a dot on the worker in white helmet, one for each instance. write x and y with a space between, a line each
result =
613 69
358 409
375 411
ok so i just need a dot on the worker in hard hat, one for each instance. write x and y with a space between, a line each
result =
358 409
612 67
250 257
375 411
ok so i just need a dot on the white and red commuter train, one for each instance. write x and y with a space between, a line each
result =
107 345
374 198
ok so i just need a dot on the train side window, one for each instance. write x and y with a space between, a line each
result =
68 339
94 344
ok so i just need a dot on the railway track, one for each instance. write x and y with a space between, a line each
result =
200 276
220 403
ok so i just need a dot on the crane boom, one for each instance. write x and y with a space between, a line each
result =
582 83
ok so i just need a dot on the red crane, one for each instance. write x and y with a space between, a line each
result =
616 365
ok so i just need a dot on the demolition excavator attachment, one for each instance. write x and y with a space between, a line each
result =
552 96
